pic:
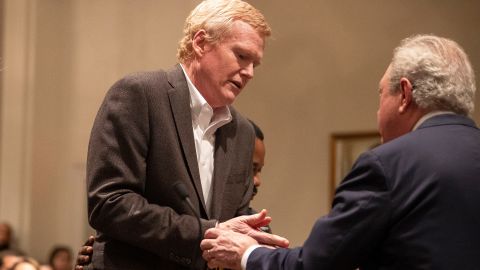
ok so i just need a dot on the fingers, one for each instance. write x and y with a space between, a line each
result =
83 260
86 250
269 239
243 224
225 248
207 255
85 253
258 218
207 244
263 222
259 236
216 257
90 241
262 214
212 264
212 233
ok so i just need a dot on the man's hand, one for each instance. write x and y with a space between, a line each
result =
84 256
225 245
249 225
223 248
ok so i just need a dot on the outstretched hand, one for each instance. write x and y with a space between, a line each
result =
250 225
225 245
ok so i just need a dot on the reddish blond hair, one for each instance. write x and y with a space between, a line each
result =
216 18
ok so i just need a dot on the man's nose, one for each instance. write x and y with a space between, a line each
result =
247 71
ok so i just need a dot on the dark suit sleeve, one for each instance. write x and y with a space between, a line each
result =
116 179
350 232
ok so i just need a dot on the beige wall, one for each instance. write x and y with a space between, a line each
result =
319 75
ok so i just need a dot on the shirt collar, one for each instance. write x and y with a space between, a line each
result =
197 101
428 116
203 114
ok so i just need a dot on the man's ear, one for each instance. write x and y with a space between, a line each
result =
199 43
406 95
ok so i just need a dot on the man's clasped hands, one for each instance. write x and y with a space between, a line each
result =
224 245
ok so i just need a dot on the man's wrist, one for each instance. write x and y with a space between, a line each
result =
246 254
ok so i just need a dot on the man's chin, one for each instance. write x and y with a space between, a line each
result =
230 99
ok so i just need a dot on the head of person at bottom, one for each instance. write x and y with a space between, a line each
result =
61 258
25 263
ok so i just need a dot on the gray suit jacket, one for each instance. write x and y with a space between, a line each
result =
141 143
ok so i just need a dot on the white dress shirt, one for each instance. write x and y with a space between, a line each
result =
205 121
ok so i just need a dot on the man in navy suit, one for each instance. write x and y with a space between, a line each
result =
410 203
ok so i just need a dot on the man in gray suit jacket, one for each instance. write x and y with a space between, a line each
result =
155 129
410 203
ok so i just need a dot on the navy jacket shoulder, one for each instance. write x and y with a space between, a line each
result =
411 203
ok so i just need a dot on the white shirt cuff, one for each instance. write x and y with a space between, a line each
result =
246 254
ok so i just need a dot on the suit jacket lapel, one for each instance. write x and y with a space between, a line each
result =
223 151
179 97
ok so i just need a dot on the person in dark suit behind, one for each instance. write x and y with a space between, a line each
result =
157 129
410 203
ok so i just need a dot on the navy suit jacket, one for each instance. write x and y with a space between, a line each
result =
411 203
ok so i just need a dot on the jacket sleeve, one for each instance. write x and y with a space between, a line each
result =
116 179
348 234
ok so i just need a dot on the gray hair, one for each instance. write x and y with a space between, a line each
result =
439 70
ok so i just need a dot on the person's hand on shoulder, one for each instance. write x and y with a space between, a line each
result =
84 256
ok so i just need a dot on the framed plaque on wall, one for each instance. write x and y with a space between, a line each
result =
345 148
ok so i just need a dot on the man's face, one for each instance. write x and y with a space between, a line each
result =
258 162
388 116
227 66
391 122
